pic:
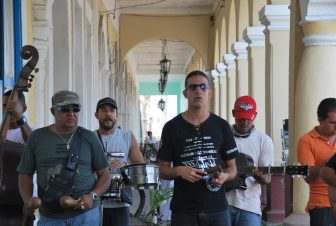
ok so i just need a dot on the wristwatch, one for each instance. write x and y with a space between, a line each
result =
94 196
21 121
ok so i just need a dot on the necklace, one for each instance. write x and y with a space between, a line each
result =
66 142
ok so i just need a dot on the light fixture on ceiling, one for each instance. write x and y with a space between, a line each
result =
162 104
165 68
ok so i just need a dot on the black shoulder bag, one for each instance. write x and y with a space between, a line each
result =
63 183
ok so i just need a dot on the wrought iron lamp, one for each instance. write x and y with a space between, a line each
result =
165 68
162 104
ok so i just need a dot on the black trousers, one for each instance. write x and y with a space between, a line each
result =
116 216
322 217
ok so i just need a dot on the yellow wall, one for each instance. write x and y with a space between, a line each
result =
191 29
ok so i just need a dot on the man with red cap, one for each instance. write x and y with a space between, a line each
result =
244 205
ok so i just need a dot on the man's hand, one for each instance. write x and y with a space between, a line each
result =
117 164
260 177
190 174
15 108
30 205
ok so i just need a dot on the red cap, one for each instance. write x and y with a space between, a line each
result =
245 108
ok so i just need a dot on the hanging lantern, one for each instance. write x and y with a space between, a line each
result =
162 104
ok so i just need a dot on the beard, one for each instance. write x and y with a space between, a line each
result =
107 124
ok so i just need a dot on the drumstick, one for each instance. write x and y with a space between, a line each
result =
67 201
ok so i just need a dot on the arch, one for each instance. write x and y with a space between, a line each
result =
194 30
243 17
231 27
223 42
217 49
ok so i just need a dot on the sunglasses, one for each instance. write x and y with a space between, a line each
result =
202 86
66 109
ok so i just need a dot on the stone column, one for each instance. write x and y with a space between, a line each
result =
316 76
239 49
214 75
256 63
229 60
221 67
276 18
42 86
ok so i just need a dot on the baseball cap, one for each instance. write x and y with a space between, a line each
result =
64 97
245 108
106 100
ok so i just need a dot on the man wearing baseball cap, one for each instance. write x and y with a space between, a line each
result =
244 205
121 148
48 153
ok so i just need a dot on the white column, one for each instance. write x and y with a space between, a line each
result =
214 75
229 60
316 75
276 18
256 58
240 50
221 67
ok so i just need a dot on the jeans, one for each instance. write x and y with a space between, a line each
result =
201 219
322 217
241 217
116 216
89 218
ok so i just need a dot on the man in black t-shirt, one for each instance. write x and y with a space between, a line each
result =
191 143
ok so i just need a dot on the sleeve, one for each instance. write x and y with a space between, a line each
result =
332 162
230 146
165 152
27 161
267 153
304 152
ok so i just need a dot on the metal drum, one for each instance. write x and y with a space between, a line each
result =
142 175
114 191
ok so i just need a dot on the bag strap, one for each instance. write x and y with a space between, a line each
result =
70 167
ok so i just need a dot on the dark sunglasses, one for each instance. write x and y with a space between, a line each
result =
66 109
193 87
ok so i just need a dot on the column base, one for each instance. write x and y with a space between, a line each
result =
297 219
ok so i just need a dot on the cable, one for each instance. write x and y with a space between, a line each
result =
131 6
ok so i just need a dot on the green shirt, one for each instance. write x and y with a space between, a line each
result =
46 152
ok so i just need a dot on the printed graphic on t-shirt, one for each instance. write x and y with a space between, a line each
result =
199 153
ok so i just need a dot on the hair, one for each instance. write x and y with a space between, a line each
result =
21 96
326 105
195 73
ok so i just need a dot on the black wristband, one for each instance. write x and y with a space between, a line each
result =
21 121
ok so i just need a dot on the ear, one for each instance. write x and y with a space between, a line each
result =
96 115
185 94
233 113
52 110
24 107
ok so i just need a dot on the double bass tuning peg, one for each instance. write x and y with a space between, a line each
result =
30 80
36 70
32 76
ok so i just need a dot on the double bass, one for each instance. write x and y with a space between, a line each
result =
10 152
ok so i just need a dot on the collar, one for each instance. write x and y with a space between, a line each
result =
237 134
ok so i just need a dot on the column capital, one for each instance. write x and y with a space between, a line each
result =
317 10
215 75
275 17
229 60
255 36
240 50
221 67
